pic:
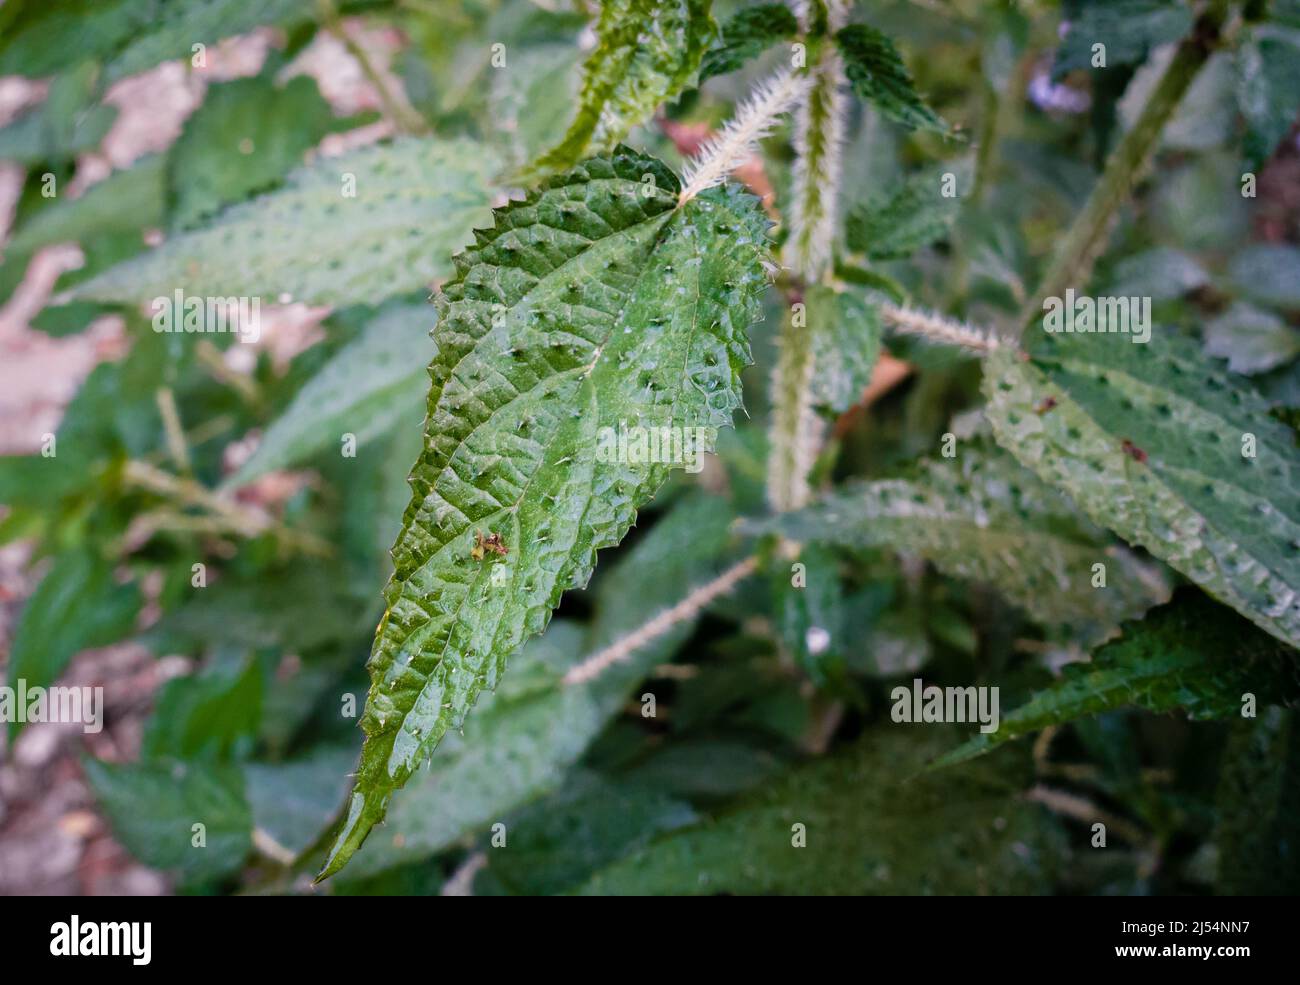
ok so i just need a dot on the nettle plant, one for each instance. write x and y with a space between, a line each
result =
591 341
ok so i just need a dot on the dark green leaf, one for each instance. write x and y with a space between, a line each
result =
1188 655
867 832
748 34
879 77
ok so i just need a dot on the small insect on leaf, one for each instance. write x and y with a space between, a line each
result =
482 545
1047 404
1133 451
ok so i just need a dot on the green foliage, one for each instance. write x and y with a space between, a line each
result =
1186 655
66 124
1258 807
1268 88
521 739
77 605
724 686
978 515
247 135
844 334
867 832
415 202
1129 29
1151 441
879 77
913 216
581 284
748 34
646 52
155 807
371 385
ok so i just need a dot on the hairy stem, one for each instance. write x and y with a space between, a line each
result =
1086 238
796 432
687 608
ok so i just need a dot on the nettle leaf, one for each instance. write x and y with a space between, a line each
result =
1127 28
1187 655
914 215
76 606
646 53
1268 88
844 330
245 137
980 516
1164 448
524 737
154 806
366 389
416 201
593 304
868 829
879 77
748 34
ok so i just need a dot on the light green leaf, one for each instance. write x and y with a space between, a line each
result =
647 51
1251 339
868 829
416 201
531 103
593 304
77 605
879 77
1161 273
844 331
748 34
154 806
914 215
1148 440
1188 655
1268 273
523 738
980 516
369 386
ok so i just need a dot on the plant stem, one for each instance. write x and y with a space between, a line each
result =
687 608
402 116
1087 236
